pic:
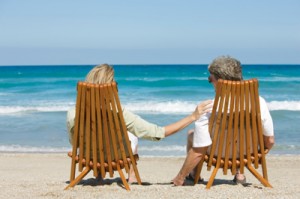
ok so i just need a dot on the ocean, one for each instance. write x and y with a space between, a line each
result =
34 101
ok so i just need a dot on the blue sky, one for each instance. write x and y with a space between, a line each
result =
38 32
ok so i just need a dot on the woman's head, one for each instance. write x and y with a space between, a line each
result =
227 68
101 74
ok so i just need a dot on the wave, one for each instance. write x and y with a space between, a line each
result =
43 149
150 107
165 150
161 107
170 148
30 109
188 107
279 79
284 105
155 79
31 149
204 78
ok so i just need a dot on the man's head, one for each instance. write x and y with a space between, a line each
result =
101 74
225 67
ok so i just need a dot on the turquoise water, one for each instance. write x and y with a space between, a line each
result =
34 101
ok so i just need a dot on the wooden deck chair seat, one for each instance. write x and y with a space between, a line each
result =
106 167
100 141
236 131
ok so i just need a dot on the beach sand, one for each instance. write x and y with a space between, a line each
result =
46 176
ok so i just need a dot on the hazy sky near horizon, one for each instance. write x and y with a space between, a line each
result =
40 32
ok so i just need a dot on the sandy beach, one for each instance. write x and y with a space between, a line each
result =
46 175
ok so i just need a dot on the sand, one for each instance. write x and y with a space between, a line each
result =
46 175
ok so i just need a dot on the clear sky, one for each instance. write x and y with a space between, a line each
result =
38 32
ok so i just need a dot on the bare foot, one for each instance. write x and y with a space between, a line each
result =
239 179
131 176
132 179
178 181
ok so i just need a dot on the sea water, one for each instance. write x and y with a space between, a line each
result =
34 101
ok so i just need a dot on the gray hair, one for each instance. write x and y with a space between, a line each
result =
227 68
101 74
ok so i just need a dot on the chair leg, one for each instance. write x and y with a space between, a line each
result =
136 172
78 178
72 175
198 171
212 178
123 178
259 177
264 168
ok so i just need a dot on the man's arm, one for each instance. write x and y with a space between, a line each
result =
269 141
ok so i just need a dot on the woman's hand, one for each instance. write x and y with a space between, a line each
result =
202 108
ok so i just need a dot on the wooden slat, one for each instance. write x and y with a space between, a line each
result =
94 130
253 123
119 138
224 111
229 139
76 131
247 117
242 126
260 133
124 132
112 129
81 127
215 106
106 136
100 132
88 125
236 126
217 122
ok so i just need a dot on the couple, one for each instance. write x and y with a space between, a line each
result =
199 138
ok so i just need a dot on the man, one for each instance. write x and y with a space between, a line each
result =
226 68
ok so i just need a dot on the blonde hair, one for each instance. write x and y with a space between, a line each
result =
101 74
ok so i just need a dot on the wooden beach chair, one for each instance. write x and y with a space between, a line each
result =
100 141
236 131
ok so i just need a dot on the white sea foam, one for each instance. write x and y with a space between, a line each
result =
150 107
173 107
44 149
37 106
280 79
156 79
284 105
31 149
165 148
25 109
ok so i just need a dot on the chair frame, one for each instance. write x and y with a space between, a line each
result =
244 131
100 141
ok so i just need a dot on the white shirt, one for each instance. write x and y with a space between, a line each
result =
202 135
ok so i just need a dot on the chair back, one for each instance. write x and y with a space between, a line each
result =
100 140
235 127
